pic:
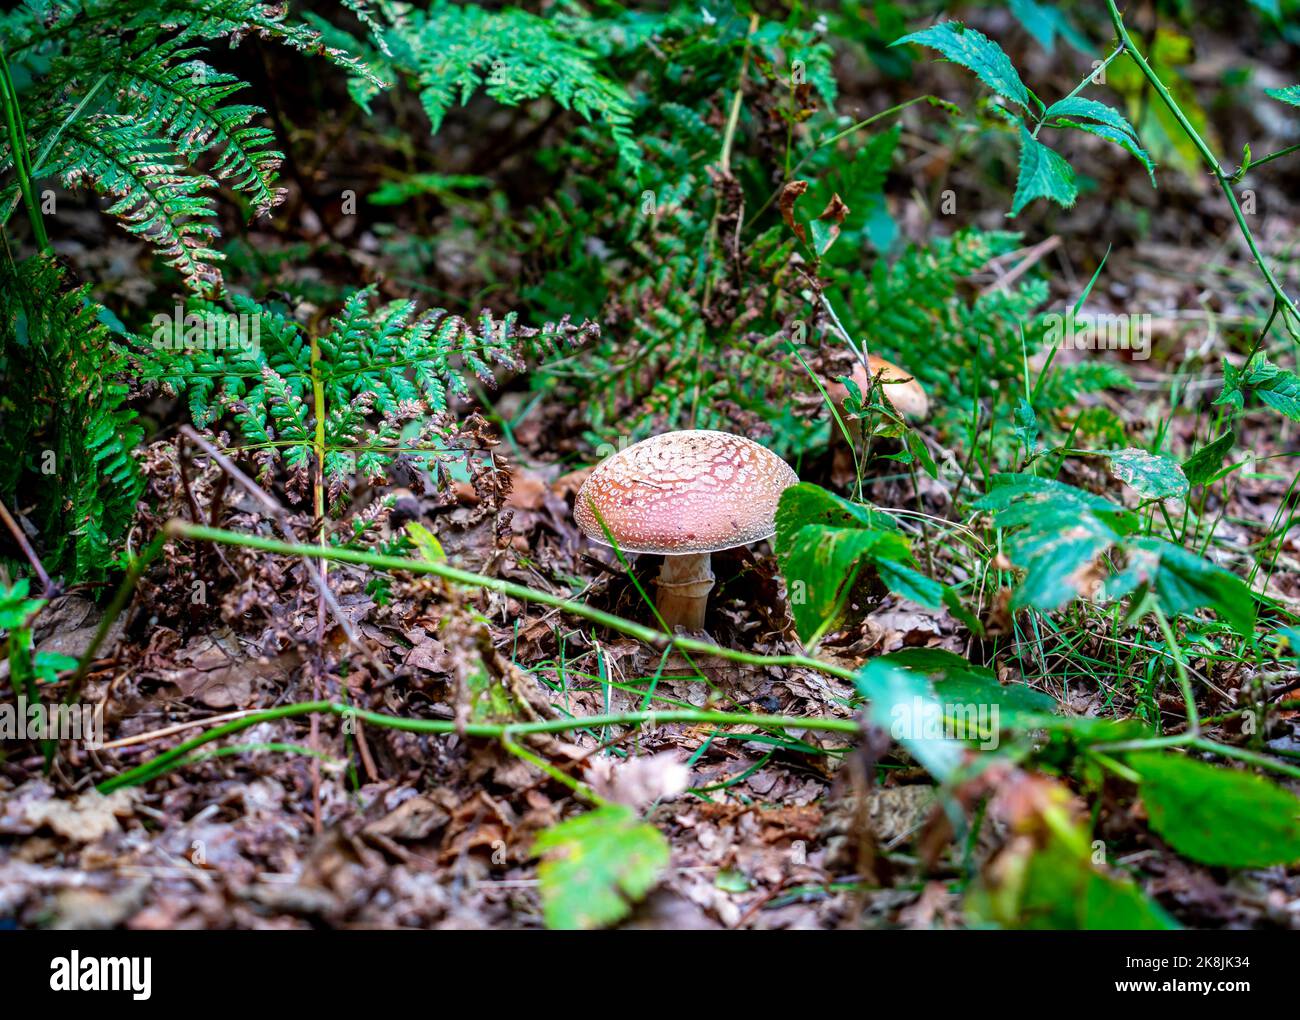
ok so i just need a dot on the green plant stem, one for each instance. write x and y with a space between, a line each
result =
1207 156
651 636
1269 158
54 137
18 149
1080 87
581 789
1180 667
491 731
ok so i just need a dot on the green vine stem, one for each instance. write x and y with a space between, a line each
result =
21 157
491 731
651 636
655 638
1225 180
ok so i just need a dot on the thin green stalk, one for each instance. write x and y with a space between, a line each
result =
18 148
1208 157
651 636
1267 159
54 137
1081 86
1180 667
536 761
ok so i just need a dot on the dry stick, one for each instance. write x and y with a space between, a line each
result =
1032 257
167 731
16 530
282 516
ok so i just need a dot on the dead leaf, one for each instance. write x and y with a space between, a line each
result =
84 819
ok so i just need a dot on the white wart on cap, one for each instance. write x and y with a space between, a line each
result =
684 495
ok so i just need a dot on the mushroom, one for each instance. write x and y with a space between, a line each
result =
684 495
903 391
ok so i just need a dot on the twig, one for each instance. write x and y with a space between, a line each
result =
1032 257
167 731
16 530
282 517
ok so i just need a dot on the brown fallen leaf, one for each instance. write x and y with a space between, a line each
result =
84 819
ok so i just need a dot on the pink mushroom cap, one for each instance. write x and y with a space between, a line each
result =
695 491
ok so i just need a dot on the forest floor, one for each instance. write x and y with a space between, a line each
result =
304 822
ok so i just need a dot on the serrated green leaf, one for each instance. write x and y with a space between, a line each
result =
1290 94
1090 109
1043 174
1017 499
1183 582
903 703
1216 815
976 52
15 606
958 681
1025 425
1203 466
1125 141
597 865
822 543
1060 558
1276 386
1150 475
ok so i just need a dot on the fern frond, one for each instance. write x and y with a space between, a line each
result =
183 99
67 443
155 198
385 362
514 56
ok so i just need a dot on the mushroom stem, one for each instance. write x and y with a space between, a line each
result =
684 584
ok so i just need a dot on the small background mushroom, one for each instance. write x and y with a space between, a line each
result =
684 495
903 391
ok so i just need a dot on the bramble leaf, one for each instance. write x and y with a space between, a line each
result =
1216 815
1183 582
822 543
1203 466
1276 386
597 865
1290 94
1151 475
976 52
1043 174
